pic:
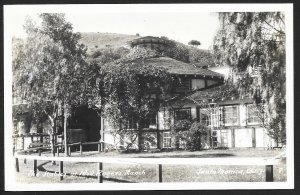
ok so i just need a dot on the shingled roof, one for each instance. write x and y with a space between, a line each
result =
222 95
150 39
180 68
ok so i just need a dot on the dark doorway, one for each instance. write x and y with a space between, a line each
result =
88 120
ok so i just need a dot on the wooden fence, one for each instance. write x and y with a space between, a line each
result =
267 162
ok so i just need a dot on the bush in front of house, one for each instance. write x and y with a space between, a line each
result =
150 141
189 135
196 133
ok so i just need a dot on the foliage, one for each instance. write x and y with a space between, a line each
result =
109 54
49 67
201 57
176 51
253 44
188 54
182 125
47 70
128 89
191 133
194 43
150 140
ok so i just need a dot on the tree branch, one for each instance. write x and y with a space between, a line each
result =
279 31
49 116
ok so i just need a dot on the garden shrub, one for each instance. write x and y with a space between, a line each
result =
190 133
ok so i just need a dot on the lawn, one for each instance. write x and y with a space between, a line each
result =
87 172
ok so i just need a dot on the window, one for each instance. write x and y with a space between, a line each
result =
131 123
209 116
183 84
167 140
252 114
214 137
183 114
149 121
231 115
214 117
205 117
224 138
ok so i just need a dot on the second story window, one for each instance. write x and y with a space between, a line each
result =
131 124
205 117
231 115
252 114
183 84
214 117
210 116
149 121
183 114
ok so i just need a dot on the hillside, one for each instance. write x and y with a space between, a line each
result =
96 41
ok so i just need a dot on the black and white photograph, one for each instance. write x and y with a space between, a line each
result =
148 97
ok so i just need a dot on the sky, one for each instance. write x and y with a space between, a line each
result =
179 26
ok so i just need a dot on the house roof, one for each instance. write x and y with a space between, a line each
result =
149 39
221 95
180 68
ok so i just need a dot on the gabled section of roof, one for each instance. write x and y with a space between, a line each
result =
180 68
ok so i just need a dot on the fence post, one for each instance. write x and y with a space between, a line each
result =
14 146
23 143
269 173
160 173
17 165
99 147
34 167
69 149
61 170
25 158
57 151
80 146
100 175
53 154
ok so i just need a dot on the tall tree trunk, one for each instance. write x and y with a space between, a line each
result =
52 141
52 132
65 131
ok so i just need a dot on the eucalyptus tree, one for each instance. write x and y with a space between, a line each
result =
253 44
49 68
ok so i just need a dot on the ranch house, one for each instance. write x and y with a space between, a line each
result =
231 122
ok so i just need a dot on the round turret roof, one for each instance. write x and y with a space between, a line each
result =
150 39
